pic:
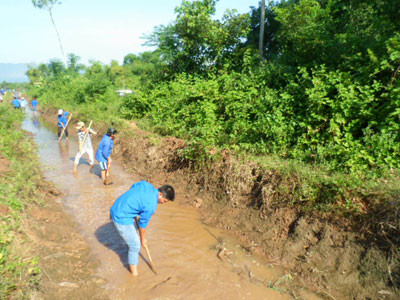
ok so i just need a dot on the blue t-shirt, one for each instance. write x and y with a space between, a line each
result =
62 120
34 103
60 117
15 102
141 200
104 150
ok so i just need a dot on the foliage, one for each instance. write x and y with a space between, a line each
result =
18 188
327 92
195 42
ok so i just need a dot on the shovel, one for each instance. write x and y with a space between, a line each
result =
147 251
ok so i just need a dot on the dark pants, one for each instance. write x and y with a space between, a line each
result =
60 130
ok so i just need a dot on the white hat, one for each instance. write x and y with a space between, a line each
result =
60 111
79 125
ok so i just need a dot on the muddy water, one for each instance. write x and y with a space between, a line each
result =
184 251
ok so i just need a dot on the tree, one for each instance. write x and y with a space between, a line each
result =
48 5
73 63
55 67
194 41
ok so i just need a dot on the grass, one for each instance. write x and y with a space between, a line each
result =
19 275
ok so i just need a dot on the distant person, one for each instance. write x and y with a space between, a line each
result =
1 98
24 103
140 200
62 123
84 147
15 102
34 104
103 154
2 91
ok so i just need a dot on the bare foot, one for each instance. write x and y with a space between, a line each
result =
134 271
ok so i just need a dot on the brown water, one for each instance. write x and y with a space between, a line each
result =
184 250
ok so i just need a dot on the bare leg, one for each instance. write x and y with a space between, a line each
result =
103 175
108 169
75 169
133 269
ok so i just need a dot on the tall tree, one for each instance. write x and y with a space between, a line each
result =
195 41
48 5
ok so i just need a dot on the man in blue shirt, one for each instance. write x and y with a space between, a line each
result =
62 123
16 103
34 103
103 154
141 201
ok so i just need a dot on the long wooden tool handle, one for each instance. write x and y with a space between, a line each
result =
148 254
150 260
84 139
64 127
147 251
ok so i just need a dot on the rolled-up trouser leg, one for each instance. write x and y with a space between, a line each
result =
77 158
91 158
130 236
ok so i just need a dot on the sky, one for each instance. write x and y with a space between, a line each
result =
101 30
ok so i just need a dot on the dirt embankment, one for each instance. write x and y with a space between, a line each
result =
67 268
47 232
329 253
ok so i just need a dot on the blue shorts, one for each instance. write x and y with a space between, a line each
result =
104 165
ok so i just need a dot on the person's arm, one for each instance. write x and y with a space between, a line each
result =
142 234
92 131
107 150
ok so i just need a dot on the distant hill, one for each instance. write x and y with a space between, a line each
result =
13 72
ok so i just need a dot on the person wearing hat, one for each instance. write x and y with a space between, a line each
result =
62 122
85 146
103 154
24 103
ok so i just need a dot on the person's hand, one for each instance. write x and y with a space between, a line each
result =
144 242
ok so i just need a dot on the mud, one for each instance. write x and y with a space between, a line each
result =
82 256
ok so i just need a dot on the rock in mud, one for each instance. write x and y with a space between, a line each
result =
68 284
197 202
54 192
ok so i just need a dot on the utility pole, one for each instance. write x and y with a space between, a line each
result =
262 23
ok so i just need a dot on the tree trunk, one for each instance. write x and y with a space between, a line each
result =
59 38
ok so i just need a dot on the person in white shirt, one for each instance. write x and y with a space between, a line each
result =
24 103
84 146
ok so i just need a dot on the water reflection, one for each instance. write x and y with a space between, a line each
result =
35 121
64 149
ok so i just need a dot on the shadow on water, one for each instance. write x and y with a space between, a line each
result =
109 237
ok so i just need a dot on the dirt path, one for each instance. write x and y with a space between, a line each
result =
193 261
